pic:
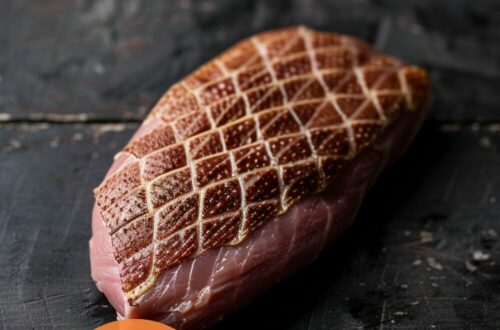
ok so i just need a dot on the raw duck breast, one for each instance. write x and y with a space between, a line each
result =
245 170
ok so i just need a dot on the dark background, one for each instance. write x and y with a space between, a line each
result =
77 78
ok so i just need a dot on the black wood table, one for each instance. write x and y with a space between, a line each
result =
77 77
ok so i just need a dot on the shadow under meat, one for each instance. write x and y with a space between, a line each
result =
293 302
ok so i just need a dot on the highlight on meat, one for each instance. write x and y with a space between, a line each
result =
231 165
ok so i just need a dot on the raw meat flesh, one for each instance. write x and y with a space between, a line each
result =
245 170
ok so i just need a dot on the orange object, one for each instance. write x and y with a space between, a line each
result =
134 325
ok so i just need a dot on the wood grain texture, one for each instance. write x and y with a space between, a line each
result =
407 262
47 173
102 60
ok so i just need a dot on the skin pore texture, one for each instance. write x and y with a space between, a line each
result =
196 290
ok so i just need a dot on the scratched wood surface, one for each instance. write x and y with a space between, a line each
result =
77 77
108 60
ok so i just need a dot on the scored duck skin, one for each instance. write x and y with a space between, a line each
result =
246 169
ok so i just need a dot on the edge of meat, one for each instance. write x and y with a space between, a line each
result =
221 285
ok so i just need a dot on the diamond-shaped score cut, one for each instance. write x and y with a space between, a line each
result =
237 143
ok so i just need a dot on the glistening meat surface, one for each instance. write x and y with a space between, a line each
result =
245 170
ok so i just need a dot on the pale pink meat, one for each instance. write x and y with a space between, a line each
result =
203 290
246 170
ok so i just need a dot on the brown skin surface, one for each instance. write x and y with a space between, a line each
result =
303 146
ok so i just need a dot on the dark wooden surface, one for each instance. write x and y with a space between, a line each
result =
76 78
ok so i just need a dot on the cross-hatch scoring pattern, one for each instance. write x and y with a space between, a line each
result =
271 120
